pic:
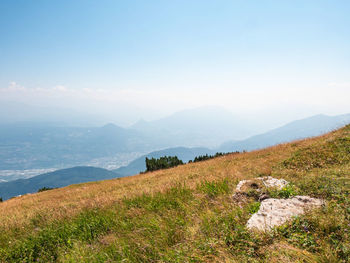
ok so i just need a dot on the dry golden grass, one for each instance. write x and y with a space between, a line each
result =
68 201
284 252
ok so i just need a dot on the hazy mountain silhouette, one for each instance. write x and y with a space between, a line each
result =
28 145
308 127
200 127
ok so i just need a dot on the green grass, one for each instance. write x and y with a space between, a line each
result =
157 228
286 192
215 188
331 153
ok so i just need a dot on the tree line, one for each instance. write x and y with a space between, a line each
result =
153 164
207 157
164 162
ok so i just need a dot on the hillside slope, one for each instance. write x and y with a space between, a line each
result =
186 214
59 178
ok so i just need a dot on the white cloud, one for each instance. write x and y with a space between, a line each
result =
60 88
13 86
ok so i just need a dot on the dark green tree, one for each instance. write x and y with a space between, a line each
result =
153 164
207 157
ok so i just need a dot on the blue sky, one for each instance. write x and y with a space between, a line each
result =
162 56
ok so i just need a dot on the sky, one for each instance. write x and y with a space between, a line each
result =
126 60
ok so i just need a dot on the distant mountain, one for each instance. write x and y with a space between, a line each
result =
28 145
139 165
34 145
59 178
312 126
200 127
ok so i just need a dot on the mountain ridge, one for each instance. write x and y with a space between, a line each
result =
298 129
59 178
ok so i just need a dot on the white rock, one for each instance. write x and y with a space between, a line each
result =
267 181
275 212
273 182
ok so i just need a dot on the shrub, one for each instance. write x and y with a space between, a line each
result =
45 189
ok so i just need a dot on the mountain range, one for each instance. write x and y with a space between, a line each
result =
34 145
200 127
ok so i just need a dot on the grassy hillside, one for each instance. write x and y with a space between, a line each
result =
186 214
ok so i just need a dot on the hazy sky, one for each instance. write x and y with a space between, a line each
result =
132 59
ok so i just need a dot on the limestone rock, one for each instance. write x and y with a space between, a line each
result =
260 182
275 212
256 187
